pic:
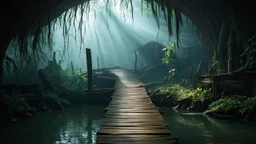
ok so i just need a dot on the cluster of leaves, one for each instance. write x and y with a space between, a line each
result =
55 99
181 92
250 51
75 83
168 59
233 104
216 66
169 53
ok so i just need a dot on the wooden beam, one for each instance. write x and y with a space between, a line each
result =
89 67
54 57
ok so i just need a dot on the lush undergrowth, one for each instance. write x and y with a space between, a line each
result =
202 100
180 92
234 105
17 105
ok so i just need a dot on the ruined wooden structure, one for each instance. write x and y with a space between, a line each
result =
241 82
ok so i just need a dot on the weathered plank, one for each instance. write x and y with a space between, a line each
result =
131 116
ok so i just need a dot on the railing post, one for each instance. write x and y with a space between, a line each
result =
98 63
89 67
135 67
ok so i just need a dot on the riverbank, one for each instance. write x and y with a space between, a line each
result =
26 101
187 99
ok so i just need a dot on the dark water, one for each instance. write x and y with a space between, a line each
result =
78 125
198 129
74 125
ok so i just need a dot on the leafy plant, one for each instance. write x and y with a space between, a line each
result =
216 66
169 53
181 92
54 100
250 52
233 104
75 83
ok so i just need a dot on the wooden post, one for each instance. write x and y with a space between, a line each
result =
98 63
80 71
89 67
73 72
214 85
54 57
135 67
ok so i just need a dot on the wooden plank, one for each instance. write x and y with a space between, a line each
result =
134 136
136 128
135 124
122 131
131 116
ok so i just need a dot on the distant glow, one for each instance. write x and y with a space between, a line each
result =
113 38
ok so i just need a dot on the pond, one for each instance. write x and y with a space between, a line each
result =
78 125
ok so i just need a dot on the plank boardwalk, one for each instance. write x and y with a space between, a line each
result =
131 116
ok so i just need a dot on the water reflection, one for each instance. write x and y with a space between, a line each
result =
198 129
79 125
75 125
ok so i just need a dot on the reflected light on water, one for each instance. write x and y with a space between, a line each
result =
73 125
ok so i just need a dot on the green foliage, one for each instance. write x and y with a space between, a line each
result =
54 100
236 103
181 92
76 83
250 52
169 53
216 66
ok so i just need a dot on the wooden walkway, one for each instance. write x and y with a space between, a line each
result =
131 116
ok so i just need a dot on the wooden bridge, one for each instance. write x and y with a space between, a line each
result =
131 116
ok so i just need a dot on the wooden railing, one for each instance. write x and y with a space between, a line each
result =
241 83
